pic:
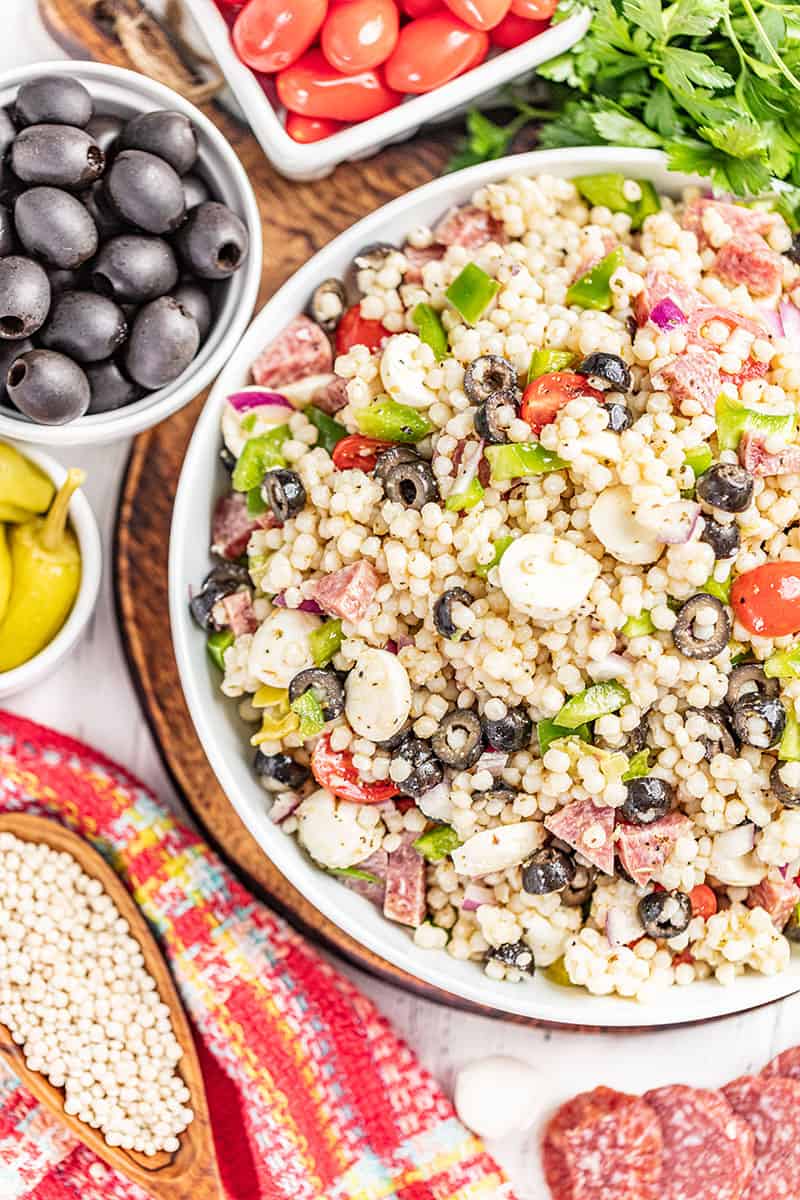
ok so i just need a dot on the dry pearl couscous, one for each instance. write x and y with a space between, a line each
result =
76 996
508 583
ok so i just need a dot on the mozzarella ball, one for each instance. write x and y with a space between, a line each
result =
497 1096
331 833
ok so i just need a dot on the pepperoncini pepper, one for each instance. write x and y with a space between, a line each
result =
5 572
45 577
24 488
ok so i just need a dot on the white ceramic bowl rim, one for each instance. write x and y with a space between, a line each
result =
216 720
236 308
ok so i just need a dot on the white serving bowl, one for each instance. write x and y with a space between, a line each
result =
125 93
314 161
223 735
84 525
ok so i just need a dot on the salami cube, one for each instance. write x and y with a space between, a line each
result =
301 349
707 1149
643 849
347 593
777 896
660 285
754 455
404 899
694 376
371 889
749 260
698 214
232 527
770 1105
470 227
237 613
331 395
589 829
417 257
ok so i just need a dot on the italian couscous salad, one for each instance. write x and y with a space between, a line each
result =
508 582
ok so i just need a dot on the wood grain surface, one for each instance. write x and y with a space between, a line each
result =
192 1170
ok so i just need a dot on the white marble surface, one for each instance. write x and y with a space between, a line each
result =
92 697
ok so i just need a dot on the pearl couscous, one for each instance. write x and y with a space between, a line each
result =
509 583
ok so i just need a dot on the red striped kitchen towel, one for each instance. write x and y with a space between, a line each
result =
312 1095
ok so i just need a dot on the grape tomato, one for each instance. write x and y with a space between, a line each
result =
306 130
766 600
312 87
479 14
534 10
360 35
515 31
433 50
355 330
269 35
420 8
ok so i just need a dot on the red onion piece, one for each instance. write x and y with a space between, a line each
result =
667 315
772 320
309 606
284 805
613 666
790 319
435 803
256 397
673 523
468 468
493 761
475 895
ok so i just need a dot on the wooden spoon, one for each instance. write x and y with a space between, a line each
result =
191 1173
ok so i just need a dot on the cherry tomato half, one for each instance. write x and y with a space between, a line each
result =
360 35
534 10
334 770
704 901
310 129
312 87
514 31
269 35
543 397
479 14
355 330
420 8
767 599
358 451
433 50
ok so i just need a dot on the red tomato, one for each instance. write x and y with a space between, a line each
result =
479 14
433 50
543 397
310 129
355 330
269 35
534 10
334 770
312 87
360 35
513 31
420 8
358 451
704 901
767 599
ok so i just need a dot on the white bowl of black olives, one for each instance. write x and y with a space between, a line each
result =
130 253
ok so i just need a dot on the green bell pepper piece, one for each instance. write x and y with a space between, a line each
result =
330 432
309 710
256 504
638 765
515 460
437 843
544 362
471 292
501 544
431 330
734 419
463 501
699 458
259 455
596 701
325 641
353 873
789 748
638 626
393 422
784 664
548 732
722 591
609 191
216 645
593 290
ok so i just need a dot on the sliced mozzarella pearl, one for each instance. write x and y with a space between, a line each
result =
546 577
498 1096
613 523
497 849
280 648
403 374
377 695
330 831
746 871
266 416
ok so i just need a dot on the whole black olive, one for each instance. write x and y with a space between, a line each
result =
56 155
279 771
514 954
164 133
648 798
458 742
7 238
748 678
85 326
55 226
510 732
9 353
726 486
195 191
145 191
716 737
62 280
391 457
425 769
7 132
758 720
10 186
723 539
326 687
620 416
665 914
132 268
411 483
489 374
24 296
110 388
607 369
548 870
221 581
213 242
53 100
105 129
328 302
163 341
490 416
706 638
443 612
48 387
283 491
106 220
784 782
195 299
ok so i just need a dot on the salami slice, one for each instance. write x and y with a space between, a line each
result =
786 1064
771 1107
603 1145
708 1149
